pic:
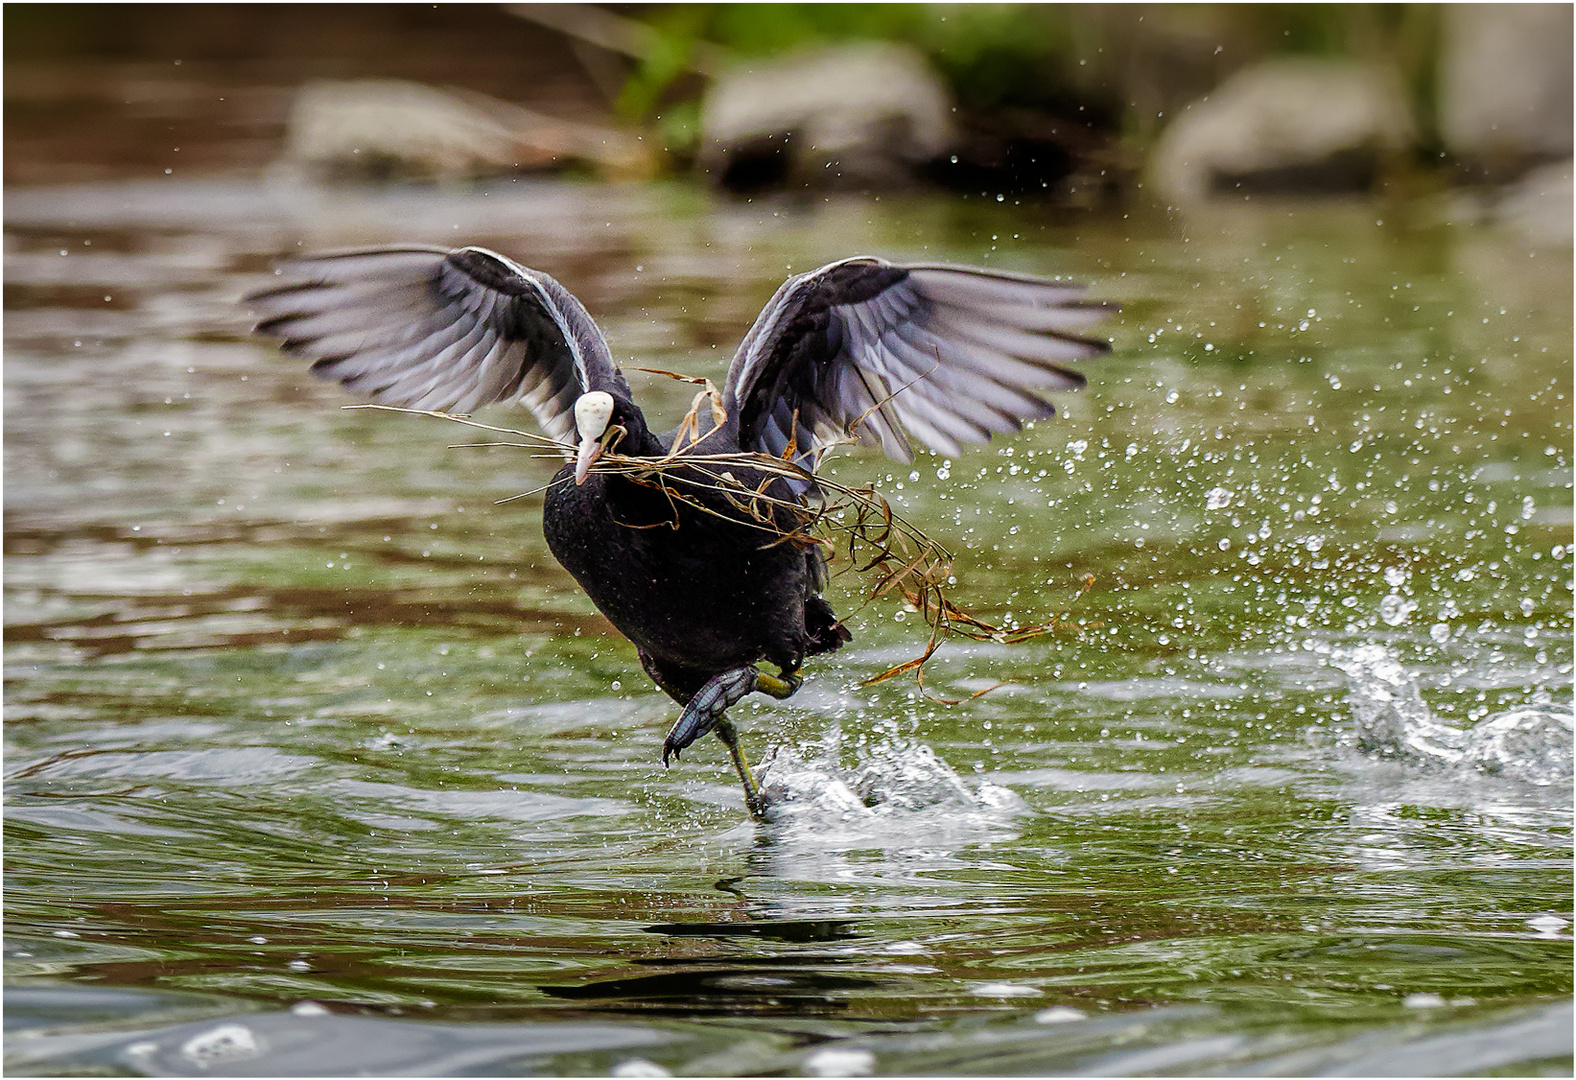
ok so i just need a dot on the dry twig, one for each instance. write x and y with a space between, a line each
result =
856 523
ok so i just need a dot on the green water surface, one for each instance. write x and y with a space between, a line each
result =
316 762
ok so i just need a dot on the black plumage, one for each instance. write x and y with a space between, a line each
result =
860 349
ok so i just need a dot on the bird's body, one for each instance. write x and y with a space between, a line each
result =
668 554
704 580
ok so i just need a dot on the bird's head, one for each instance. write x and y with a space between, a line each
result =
603 421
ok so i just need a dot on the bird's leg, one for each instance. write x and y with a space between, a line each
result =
779 686
752 789
707 707
705 713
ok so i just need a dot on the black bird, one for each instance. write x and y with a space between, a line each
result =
860 349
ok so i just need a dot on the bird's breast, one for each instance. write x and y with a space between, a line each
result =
687 586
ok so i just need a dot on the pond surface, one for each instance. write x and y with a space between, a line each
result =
317 763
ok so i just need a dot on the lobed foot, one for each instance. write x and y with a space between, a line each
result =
707 707
705 713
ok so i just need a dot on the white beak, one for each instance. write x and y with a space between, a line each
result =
592 413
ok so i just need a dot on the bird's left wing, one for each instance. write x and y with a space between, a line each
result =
864 348
449 331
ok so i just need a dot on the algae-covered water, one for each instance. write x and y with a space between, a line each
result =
317 763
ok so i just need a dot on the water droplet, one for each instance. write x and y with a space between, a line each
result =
1395 610
835 1061
1548 925
227 1042
1004 990
1060 1014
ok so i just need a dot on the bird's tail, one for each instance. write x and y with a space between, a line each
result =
825 632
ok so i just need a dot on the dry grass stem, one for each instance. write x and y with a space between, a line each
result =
855 526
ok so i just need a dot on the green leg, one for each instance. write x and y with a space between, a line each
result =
779 687
753 802
705 713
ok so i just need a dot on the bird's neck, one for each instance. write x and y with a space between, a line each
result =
638 441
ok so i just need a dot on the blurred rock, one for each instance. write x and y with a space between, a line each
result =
382 129
871 114
1284 126
1505 84
1538 206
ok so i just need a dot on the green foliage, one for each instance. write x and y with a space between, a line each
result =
1058 58
678 28
763 29
995 55
1004 55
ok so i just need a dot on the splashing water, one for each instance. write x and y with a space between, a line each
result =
1532 745
896 786
1392 717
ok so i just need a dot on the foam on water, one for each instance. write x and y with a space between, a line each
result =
1527 744
896 788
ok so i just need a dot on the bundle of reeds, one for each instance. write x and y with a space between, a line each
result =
855 527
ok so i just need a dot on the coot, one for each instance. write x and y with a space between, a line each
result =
861 349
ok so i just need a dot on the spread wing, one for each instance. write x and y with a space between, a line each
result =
450 331
865 348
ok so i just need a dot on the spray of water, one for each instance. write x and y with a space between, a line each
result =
896 788
1527 744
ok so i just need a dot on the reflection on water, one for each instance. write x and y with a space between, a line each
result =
317 762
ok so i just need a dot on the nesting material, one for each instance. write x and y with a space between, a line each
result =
855 526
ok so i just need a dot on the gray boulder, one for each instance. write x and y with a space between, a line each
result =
866 114
1539 207
1505 80
377 129
1288 125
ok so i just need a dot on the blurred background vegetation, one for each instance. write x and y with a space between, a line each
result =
1119 67
1068 101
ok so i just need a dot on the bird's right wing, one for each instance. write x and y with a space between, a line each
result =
867 349
449 331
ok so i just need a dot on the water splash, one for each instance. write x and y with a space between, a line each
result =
1534 745
1531 745
1392 717
896 786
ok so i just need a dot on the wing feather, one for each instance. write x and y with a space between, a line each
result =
447 330
868 349
963 325
956 380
